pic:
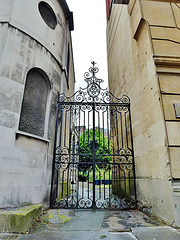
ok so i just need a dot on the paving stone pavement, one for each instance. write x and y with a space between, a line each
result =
160 233
89 225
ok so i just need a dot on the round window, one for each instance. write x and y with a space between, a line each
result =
47 14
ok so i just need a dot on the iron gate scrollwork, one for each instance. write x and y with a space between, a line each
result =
93 165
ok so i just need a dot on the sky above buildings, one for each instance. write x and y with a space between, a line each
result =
89 38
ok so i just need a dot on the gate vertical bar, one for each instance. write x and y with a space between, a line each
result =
94 156
53 194
132 147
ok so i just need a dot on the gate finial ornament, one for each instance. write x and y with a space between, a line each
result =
93 91
93 63
93 82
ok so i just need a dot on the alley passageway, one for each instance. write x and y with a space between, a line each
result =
93 225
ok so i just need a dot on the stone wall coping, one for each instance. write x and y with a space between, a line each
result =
17 133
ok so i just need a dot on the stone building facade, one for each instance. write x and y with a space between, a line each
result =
36 64
143 44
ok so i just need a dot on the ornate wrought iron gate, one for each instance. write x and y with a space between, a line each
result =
93 164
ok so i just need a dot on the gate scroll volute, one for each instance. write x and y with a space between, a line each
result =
93 93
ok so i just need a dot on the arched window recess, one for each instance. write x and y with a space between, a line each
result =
35 105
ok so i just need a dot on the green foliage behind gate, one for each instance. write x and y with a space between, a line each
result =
102 148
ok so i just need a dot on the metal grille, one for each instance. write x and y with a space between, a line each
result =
33 110
93 163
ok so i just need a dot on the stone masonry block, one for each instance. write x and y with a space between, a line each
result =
18 221
158 13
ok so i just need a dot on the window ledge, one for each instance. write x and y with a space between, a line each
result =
31 136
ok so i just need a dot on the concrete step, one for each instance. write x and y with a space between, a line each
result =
19 220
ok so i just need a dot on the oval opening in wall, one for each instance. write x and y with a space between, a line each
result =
48 14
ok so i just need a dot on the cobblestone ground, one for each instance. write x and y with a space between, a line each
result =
89 225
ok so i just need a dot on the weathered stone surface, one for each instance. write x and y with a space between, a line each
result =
52 40
176 10
161 190
93 221
136 16
80 235
7 119
73 224
166 47
157 162
147 39
154 17
26 159
169 83
168 104
175 163
173 131
124 221
165 40
160 233
166 34
18 221
154 195
176 193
